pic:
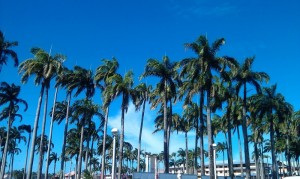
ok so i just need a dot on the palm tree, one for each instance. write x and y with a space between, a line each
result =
103 73
84 111
53 157
28 129
221 147
58 77
122 87
9 95
166 71
15 138
73 145
142 96
209 62
44 67
273 106
246 75
5 51
186 125
63 110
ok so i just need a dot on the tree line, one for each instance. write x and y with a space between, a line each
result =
212 89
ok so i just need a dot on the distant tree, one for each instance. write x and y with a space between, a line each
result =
5 51
9 95
28 129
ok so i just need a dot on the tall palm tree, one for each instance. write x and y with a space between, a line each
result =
167 72
5 51
122 87
58 77
142 92
63 110
44 67
273 106
245 76
9 94
103 73
28 129
209 62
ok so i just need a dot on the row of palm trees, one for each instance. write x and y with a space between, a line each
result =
207 86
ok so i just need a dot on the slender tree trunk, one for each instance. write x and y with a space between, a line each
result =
50 133
54 168
256 160
41 152
245 134
288 155
166 152
240 149
87 150
262 162
80 152
229 142
91 156
3 164
274 168
196 143
186 153
201 132
62 160
36 122
121 142
25 167
223 164
140 137
210 138
170 116
104 142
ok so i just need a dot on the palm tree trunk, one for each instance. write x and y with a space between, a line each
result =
166 152
201 132
210 138
121 142
35 127
3 164
229 143
196 143
274 168
240 149
54 168
12 164
25 167
140 137
262 168
104 142
256 160
50 133
92 149
87 151
41 152
245 134
169 125
62 171
80 152
186 154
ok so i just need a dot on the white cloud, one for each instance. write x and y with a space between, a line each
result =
150 142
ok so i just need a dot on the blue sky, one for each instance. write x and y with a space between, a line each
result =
134 31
